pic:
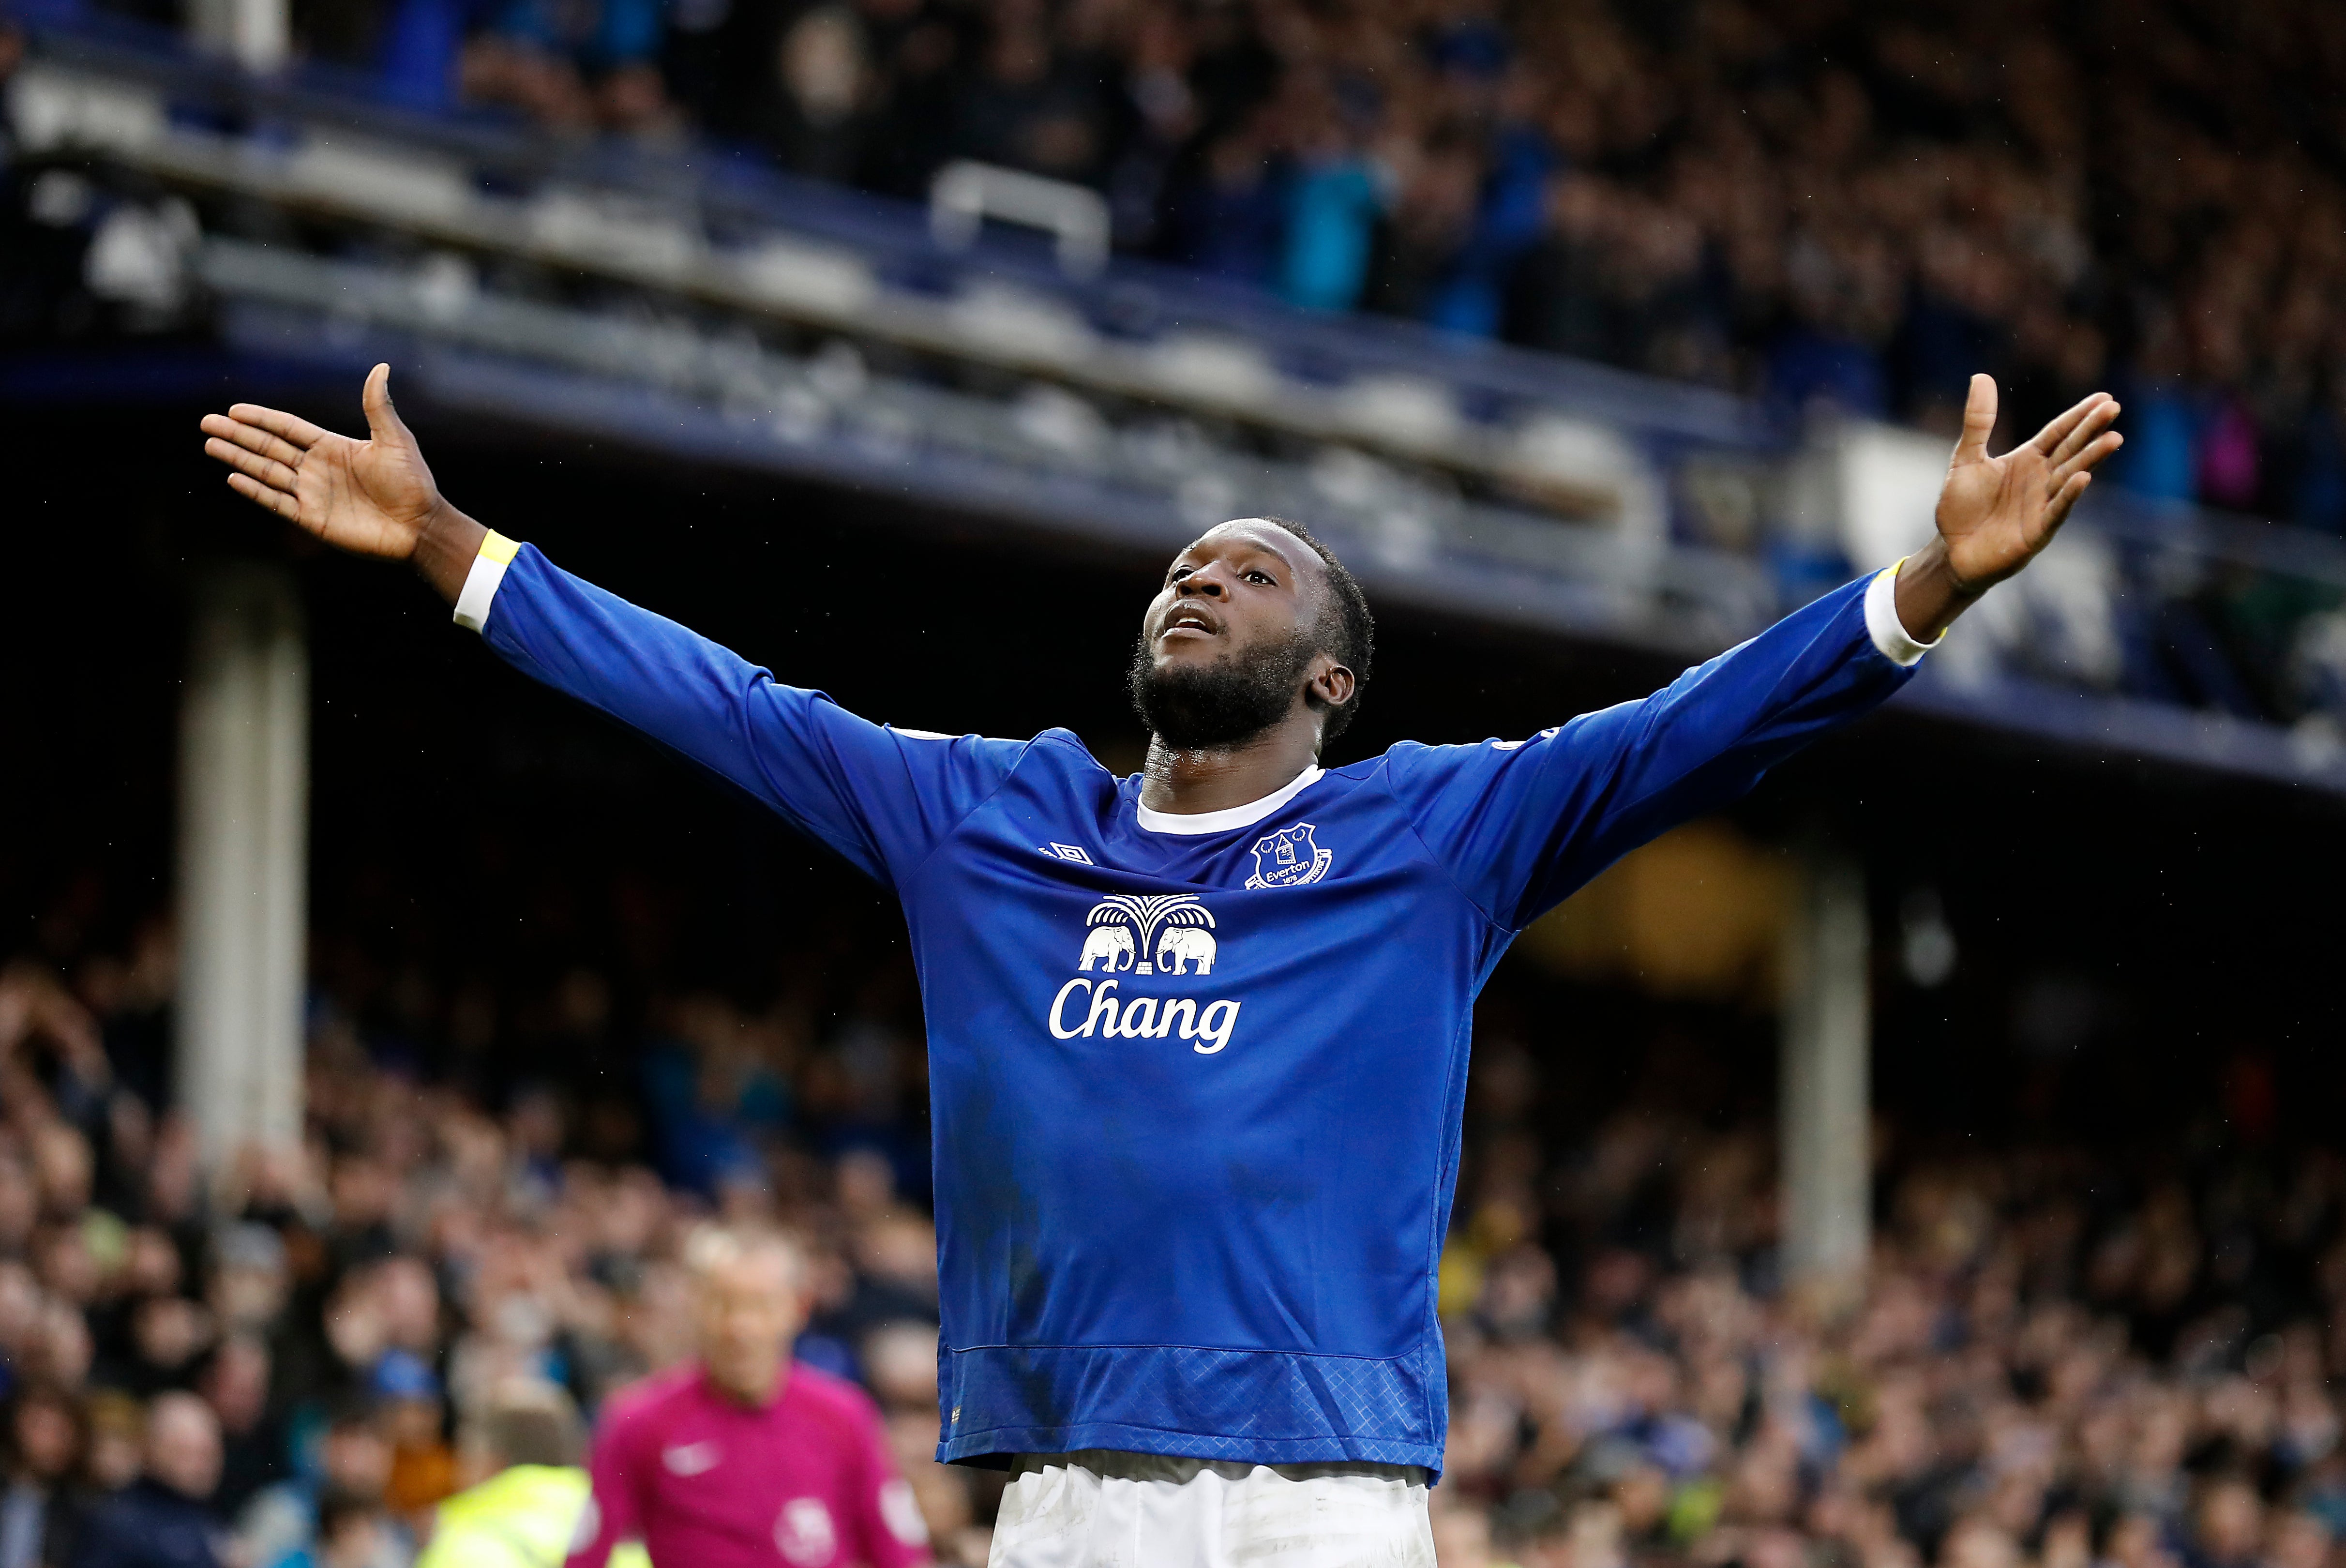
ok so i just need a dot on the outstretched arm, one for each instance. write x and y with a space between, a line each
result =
880 796
1520 823
371 497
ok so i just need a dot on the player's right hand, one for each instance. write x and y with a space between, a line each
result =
373 497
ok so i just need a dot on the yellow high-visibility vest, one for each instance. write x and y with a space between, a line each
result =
522 1517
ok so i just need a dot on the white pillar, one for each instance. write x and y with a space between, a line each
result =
256 34
244 825
1824 1094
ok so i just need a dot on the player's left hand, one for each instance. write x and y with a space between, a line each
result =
1997 512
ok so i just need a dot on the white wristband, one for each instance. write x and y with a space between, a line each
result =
481 583
1889 633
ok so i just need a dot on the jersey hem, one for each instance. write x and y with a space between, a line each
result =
1256 1407
1002 1443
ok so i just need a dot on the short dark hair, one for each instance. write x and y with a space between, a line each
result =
529 1422
1347 631
338 1508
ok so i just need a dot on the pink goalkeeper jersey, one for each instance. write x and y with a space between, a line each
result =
704 1482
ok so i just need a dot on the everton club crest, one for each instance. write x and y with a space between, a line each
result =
1289 858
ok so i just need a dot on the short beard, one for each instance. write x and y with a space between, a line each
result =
1222 705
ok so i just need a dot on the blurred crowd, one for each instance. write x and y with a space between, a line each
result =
2059 1360
283 1358
2062 1359
1822 201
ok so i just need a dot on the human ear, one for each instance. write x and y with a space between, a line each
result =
1332 683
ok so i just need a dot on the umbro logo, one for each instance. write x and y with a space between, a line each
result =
1067 852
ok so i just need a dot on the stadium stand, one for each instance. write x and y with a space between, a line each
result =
1827 201
678 280
1821 202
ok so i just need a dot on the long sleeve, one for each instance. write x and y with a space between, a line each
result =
1522 823
879 796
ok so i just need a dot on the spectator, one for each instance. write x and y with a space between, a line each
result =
815 113
1228 216
1335 196
169 1336
413 1415
41 1509
524 1490
118 1437
2230 1524
235 1383
354 1532
352 1458
1024 105
570 66
1422 244
164 1519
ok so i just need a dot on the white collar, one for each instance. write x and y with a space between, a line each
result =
1230 817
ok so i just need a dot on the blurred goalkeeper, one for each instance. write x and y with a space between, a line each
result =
1197 1037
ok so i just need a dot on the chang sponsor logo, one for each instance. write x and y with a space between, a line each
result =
1136 935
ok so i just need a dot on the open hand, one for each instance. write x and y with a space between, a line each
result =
373 497
1996 513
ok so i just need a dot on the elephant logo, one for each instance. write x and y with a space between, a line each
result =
1138 934
1107 943
1123 933
1289 858
1180 946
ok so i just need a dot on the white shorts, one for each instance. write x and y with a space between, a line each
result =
1100 1508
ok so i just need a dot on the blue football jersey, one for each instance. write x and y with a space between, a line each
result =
1197 1081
